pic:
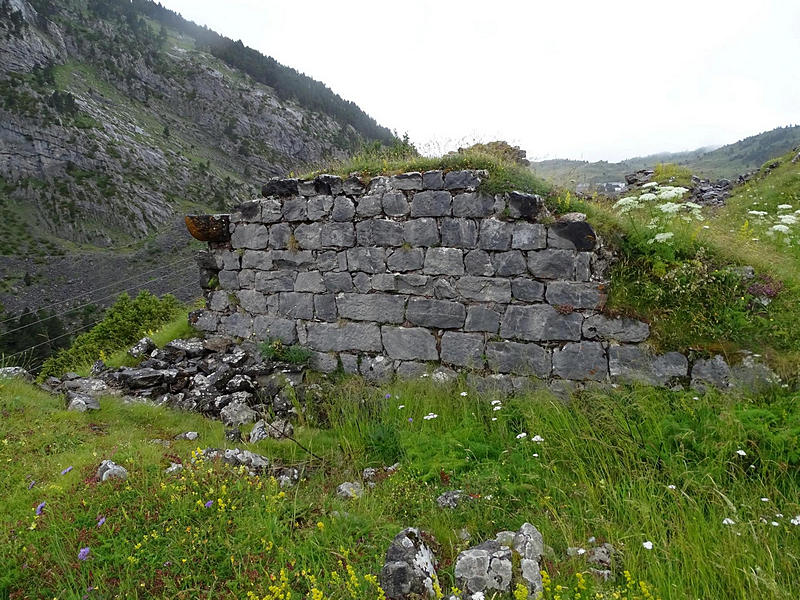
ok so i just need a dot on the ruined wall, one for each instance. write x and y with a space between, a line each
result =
385 275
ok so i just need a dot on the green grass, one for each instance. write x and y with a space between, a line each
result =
603 470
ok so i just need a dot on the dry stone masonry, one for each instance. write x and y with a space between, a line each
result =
383 276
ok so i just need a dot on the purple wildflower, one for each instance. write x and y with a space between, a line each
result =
209 503
101 521
410 419
40 508
32 483
67 470
388 396
83 553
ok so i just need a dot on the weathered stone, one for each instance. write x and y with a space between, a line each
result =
463 349
620 329
110 470
581 361
575 294
383 282
328 184
349 363
362 283
228 259
76 401
520 359
275 281
246 212
218 301
353 186
255 463
379 185
343 209
318 207
443 261
271 210
552 264
325 307
308 236
323 362
438 314
338 282
484 568
480 318
433 180
412 283
421 232
405 259
634 364
711 371
350 490
431 204
237 414
583 266
574 235
342 337
529 236
380 308
752 375
459 233
472 204
267 327
496 235
237 325
407 181
295 305
295 209
395 204
538 323
279 235
508 263
484 289
250 235
279 187
451 499
379 232
478 263
257 259
495 384
142 348
367 260
461 180
524 206
252 301
369 206
331 260
228 280
376 368
527 290
338 235
411 369
204 320
292 259
410 567
409 343
247 278
309 281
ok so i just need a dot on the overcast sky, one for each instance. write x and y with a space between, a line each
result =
583 79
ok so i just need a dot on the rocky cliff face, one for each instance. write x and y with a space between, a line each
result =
112 126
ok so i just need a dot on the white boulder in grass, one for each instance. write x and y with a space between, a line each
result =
110 470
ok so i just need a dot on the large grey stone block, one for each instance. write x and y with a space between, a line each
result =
438 314
620 329
552 264
395 204
413 283
509 263
527 290
250 235
368 260
529 236
539 323
431 204
496 234
344 336
517 358
271 210
472 204
362 282
379 232
328 184
379 185
323 362
407 181
380 308
353 186
325 307
463 349
576 294
296 305
573 235
369 206
338 235
252 301
480 318
343 209
405 259
257 259
524 206
247 278
319 207
269 327
308 236
443 289
275 281
384 282
409 343
309 281
338 282
295 209
421 232
292 259
711 371
581 361
218 301
376 369
583 266
279 235
247 212
433 180
484 289
634 364
459 233
226 259
228 280
478 263
461 180
236 325
443 261
332 260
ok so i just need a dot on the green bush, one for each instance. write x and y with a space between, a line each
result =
277 350
125 322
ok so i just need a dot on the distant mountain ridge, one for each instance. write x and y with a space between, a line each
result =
712 163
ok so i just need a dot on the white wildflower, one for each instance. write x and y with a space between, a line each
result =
648 197
496 402
494 418
795 521
765 499
648 545
727 521
669 208
741 452
662 237
538 439
671 486
522 435
463 394
650 184
624 205
581 551
774 523
401 406
535 455
430 416
757 213
779 515
498 407
784 207
780 228
788 219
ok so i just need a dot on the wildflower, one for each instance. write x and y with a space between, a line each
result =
498 407
387 396
535 455
661 237
401 406
648 545
757 213
581 551
779 515
741 452
209 503
727 521
67 470
410 419
83 553
779 228
430 416
462 394
40 508
320 525
100 521
795 521
774 523
784 207
537 438
765 499
671 486
788 219
650 184
648 197
495 402
522 435
669 208
32 483
494 418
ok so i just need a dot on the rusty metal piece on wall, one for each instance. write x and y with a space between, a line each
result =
209 228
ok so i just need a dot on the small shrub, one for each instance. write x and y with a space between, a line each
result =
277 350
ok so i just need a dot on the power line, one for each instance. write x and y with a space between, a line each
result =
106 286
74 308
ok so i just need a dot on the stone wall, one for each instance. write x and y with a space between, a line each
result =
386 275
